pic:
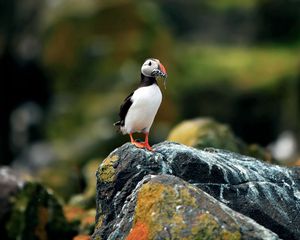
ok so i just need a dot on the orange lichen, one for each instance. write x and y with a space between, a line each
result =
82 237
156 206
73 213
88 220
40 230
160 205
140 231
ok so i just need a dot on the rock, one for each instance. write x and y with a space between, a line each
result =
166 207
10 185
205 132
36 214
31 211
133 185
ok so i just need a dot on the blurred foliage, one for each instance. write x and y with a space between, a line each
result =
235 61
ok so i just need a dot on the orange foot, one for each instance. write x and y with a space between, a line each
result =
142 145
147 146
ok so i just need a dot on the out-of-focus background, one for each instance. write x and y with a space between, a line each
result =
67 65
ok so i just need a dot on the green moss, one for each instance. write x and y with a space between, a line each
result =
36 214
209 229
205 132
97 237
157 206
99 222
107 171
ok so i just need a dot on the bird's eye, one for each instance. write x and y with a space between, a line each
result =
150 63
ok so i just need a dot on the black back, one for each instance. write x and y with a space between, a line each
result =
124 109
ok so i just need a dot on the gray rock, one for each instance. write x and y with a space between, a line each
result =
266 193
10 184
185 211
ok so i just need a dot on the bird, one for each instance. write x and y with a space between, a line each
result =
139 108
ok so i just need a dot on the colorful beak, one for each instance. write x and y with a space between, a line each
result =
162 68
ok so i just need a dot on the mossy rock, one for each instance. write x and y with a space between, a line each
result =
166 193
36 214
166 207
162 205
204 133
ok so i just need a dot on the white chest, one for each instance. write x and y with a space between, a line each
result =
140 116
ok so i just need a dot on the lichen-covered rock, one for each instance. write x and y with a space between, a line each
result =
266 193
205 132
166 207
30 210
36 214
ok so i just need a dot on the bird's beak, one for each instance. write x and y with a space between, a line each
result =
164 75
160 72
163 69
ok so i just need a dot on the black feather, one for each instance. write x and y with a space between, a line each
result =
123 111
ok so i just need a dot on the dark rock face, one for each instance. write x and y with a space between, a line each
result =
266 193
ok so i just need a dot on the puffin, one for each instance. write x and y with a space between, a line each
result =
138 110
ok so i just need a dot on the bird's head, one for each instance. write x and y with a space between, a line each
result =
153 68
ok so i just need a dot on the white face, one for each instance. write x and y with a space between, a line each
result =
149 65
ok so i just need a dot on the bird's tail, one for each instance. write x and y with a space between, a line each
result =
118 125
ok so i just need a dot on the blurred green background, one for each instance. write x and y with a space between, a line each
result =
67 65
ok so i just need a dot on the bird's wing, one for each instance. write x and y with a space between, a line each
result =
124 108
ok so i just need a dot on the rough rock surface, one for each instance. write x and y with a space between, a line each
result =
206 132
211 179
